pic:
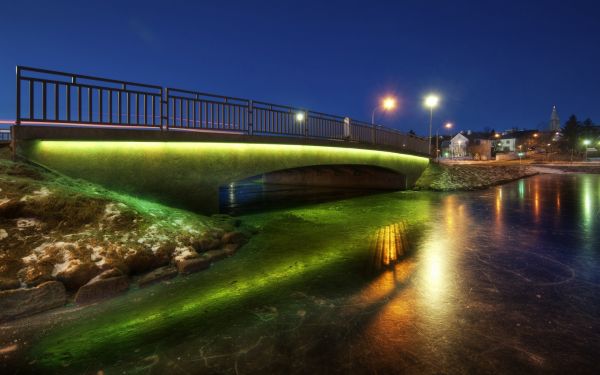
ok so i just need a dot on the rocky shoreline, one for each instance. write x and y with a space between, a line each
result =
67 241
440 177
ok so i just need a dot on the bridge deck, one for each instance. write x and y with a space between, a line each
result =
106 133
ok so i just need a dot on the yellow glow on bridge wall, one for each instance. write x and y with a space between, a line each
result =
189 173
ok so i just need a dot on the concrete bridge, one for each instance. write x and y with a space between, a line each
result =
179 147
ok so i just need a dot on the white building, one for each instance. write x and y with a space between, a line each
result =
458 146
506 144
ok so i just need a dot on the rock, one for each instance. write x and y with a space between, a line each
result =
231 248
9 266
164 254
193 265
113 272
235 237
207 242
6 283
36 274
21 302
77 273
159 274
113 260
102 286
183 253
140 261
216 255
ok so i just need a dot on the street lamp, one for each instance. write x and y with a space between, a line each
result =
387 104
586 143
447 125
431 101
300 116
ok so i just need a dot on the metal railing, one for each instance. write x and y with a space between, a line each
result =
66 98
46 96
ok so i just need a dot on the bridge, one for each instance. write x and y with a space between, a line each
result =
179 146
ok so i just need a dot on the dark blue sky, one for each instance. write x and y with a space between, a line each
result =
496 64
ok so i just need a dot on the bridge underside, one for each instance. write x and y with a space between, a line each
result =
188 173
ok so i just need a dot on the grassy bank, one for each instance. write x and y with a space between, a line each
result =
54 228
440 177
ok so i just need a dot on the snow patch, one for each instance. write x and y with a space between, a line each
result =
3 234
65 266
24 223
111 212
184 252
37 194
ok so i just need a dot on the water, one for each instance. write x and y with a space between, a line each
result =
250 196
503 280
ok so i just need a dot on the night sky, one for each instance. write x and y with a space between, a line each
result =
495 64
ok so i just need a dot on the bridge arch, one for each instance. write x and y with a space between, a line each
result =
188 174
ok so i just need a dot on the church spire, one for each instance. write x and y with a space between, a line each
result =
554 120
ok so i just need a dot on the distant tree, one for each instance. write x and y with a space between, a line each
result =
571 131
589 131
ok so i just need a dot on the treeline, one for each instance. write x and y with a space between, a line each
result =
575 132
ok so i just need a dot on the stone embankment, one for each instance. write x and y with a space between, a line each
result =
440 177
64 240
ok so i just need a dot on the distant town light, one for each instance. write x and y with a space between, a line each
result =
535 135
448 125
587 142
497 135
300 116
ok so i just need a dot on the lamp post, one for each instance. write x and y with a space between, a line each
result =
431 101
586 143
447 125
387 104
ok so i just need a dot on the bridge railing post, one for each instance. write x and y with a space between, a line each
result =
373 134
250 116
164 104
18 114
306 120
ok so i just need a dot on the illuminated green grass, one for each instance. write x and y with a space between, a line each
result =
322 246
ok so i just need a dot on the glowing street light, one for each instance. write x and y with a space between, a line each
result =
431 101
388 103
300 116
